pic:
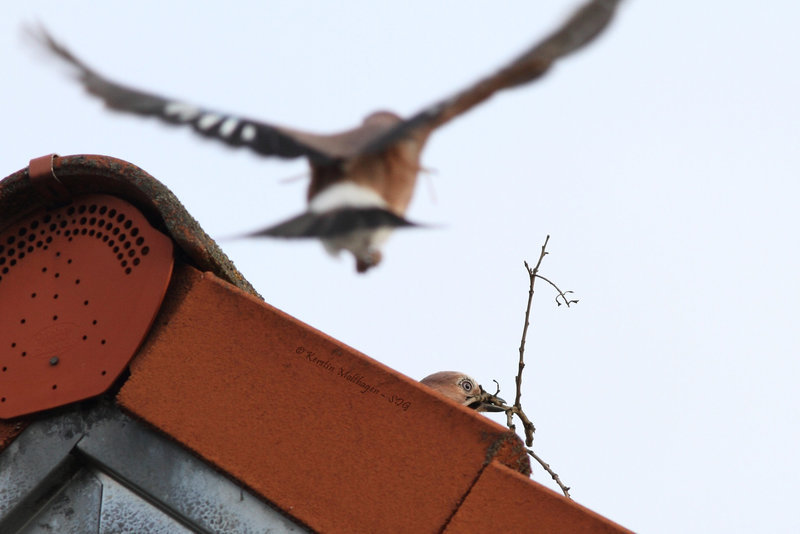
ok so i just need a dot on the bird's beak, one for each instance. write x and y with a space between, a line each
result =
489 407
486 402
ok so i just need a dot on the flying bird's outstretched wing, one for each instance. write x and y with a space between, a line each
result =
362 179
272 140
581 28
263 138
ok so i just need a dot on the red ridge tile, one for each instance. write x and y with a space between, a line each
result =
335 439
509 502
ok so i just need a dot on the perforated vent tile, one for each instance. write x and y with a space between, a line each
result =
79 287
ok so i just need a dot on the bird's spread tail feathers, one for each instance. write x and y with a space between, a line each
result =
333 224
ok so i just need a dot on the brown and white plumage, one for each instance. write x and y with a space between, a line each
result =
460 388
362 179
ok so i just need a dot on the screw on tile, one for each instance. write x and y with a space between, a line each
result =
54 360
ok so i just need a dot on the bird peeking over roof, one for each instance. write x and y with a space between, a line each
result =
463 389
362 179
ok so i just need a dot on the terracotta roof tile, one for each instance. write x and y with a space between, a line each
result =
512 503
336 439
10 430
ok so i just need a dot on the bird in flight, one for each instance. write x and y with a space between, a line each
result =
462 389
362 179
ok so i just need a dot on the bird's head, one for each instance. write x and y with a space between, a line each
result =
464 390
382 118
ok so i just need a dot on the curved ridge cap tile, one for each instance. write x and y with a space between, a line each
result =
84 174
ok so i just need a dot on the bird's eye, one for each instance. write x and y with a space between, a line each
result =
466 385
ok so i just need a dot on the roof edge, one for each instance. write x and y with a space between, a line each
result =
84 174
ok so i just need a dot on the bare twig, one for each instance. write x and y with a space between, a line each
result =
532 274
553 474
516 408
562 294
511 411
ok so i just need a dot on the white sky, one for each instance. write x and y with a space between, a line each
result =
663 161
